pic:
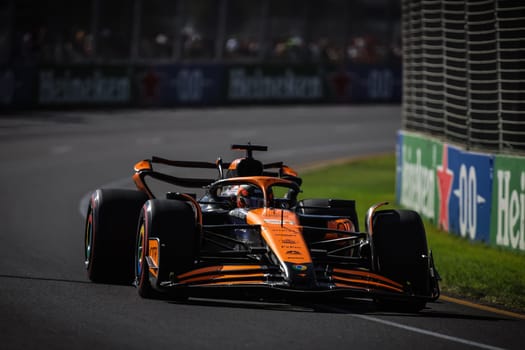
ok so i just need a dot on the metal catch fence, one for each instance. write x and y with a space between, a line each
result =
464 72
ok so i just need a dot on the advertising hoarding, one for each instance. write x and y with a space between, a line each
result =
469 200
416 178
477 196
83 85
508 203
171 85
258 83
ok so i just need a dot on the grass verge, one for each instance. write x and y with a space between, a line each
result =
469 270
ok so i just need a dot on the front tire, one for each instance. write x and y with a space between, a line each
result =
172 224
401 251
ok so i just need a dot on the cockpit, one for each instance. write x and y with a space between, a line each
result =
256 192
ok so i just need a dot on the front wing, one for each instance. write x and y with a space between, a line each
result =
267 282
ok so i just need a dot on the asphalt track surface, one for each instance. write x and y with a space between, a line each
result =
51 161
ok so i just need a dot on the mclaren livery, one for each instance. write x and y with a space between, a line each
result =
250 236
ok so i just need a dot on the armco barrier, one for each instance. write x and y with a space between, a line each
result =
478 196
170 85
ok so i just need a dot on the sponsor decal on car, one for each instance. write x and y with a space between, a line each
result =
300 267
293 252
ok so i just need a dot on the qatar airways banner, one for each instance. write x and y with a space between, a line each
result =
478 196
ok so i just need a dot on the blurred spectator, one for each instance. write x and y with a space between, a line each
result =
232 48
330 31
80 47
362 49
192 45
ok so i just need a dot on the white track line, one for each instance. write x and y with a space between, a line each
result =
429 333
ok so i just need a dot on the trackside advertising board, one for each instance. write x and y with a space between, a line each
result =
469 195
416 178
171 85
508 203
200 84
274 83
83 85
478 196
17 86
363 83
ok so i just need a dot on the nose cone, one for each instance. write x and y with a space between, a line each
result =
301 276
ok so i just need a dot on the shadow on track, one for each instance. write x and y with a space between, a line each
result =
350 306
47 279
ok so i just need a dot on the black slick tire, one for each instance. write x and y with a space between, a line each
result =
401 251
109 235
172 223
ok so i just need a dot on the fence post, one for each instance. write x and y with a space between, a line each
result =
468 77
221 29
135 35
498 73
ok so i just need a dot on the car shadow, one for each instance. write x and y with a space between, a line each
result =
338 306
44 279
348 306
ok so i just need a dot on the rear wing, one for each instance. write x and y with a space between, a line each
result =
249 148
145 169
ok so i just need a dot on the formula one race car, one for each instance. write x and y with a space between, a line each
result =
249 236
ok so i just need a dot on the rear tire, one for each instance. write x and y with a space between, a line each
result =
111 223
172 222
401 251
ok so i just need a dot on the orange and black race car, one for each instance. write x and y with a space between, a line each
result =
250 236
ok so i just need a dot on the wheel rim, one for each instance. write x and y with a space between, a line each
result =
139 253
88 240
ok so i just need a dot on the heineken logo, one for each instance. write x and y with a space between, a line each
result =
510 209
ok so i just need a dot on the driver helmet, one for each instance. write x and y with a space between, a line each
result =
250 196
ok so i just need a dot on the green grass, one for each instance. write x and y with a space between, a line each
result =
469 270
